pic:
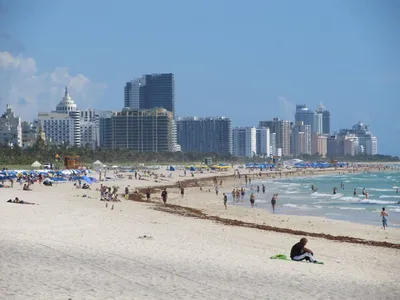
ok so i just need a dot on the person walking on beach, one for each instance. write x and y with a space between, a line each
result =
252 199
263 188
384 216
148 194
225 200
242 193
300 252
216 190
273 202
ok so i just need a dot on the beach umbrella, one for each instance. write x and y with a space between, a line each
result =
93 179
87 179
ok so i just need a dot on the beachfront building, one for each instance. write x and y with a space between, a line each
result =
367 142
272 143
244 141
151 91
318 122
148 130
10 128
282 129
90 128
62 126
305 115
301 139
326 119
351 145
319 144
31 131
105 128
205 135
132 93
263 142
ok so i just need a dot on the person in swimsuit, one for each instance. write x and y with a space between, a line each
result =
384 216
273 202
252 199
225 200
300 252
355 192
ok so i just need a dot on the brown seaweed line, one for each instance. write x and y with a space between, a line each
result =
198 214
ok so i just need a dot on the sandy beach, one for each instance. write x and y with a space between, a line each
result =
74 247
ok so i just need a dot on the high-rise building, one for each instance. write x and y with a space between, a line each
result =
31 131
244 141
301 139
263 141
90 128
10 128
326 119
319 144
367 142
318 122
272 139
106 129
132 92
139 130
282 129
205 135
305 115
63 125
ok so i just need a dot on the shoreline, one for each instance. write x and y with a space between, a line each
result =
212 206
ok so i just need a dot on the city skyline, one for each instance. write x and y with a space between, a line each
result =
306 56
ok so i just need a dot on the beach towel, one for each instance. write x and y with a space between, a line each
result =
284 257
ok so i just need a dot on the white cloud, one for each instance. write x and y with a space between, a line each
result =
288 109
30 91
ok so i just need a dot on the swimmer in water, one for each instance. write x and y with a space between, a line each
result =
355 192
334 190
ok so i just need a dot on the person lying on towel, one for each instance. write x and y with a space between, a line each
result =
300 252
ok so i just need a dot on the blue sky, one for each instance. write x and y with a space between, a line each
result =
249 60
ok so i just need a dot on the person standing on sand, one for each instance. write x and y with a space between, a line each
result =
273 202
225 200
164 196
252 199
384 216
182 191
216 190
148 194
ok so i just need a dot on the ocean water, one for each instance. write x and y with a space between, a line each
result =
297 198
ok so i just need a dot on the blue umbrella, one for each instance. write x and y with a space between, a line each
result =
87 179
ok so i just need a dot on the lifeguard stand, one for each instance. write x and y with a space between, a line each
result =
72 162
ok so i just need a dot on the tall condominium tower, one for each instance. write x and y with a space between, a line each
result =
205 135
263 141
326 119
282 130
301 139
244 141
151 91
305 115
132 93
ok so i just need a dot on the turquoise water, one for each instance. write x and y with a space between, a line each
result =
296 197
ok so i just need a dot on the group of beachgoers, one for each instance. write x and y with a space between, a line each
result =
364 192
108 193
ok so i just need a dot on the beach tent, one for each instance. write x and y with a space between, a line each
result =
171 168
97 165
36 164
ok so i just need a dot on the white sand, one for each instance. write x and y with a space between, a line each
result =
74 247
